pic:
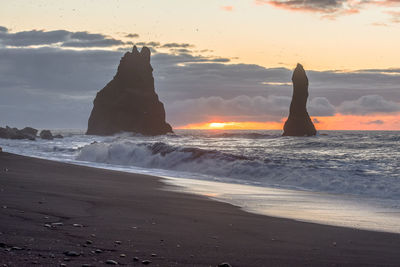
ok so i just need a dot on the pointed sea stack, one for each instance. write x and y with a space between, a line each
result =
129 102
299 122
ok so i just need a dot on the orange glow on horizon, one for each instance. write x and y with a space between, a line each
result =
240 125
355 122
337 122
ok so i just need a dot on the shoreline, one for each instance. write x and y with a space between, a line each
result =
181 229
299 205
369 214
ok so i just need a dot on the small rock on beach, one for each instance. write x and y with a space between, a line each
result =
111 262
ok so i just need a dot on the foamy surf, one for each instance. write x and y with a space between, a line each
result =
346 178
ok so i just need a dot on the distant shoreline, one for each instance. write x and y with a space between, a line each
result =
98 207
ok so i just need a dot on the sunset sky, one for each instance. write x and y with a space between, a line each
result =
225 62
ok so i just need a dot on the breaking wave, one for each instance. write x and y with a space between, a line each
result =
308 172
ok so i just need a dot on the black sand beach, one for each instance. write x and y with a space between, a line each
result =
48 208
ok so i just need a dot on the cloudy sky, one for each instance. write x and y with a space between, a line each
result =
214 61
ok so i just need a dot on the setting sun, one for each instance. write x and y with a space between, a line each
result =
243 125
217 124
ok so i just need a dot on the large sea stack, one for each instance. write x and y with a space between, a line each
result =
299 122
129 102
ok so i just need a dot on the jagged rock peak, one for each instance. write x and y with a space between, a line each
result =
135 63
129 102
145 53
135 50
299 122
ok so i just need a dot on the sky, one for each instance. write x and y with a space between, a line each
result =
217 64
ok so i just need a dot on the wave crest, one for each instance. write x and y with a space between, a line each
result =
217 165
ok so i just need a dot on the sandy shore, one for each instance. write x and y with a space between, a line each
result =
49 208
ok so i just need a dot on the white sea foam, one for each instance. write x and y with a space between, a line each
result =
303 172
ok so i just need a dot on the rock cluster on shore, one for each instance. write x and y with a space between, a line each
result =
299 122
129 102
26 133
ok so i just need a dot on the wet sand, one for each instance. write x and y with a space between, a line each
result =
49 208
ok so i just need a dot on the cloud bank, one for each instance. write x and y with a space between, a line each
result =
61 38
334 8
54 86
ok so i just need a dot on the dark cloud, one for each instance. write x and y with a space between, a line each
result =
151 44
59 37
369 104
132 35
320 106
34 37
177 45
94 43
324 6
86 36
332 8
182 51
382 71
378 122
56 70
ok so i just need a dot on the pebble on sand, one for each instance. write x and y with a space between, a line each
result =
135 259
72 253
111 262
224 264
146 262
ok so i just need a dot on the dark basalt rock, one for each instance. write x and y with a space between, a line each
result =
129 102
29 131
299 122
14 133
46 134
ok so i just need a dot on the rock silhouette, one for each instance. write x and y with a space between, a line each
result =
46 134
129 102
26 133
299 122
14 133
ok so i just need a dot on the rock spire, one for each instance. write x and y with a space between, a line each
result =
299 122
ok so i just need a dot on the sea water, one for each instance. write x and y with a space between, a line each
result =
345 178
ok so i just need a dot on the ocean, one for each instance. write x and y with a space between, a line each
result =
343 178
